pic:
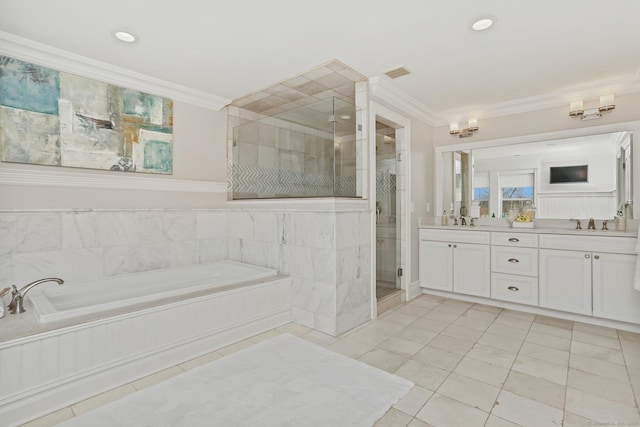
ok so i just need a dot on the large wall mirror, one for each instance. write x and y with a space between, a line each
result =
563 176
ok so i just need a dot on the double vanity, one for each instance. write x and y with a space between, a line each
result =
559 272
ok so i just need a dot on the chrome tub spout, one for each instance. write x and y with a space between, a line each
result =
17 299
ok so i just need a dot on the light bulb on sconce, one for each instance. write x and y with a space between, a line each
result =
607 104
472 126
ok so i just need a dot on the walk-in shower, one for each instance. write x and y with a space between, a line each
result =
310 151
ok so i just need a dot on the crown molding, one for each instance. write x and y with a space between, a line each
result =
113 180
42 54
586 92
384 90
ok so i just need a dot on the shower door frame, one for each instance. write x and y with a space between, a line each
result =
403 176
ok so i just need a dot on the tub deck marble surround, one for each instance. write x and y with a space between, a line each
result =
325 252
55 364
473 365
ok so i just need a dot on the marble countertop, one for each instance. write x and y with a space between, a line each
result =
538 230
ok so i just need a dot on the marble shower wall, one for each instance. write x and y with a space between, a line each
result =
326 253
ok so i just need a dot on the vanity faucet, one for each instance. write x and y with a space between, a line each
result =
592 224
578 225
17 296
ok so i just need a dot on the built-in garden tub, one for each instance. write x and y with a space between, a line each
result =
82 338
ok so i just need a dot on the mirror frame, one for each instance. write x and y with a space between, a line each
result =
633 126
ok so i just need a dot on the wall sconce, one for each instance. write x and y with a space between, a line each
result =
606 104
472 126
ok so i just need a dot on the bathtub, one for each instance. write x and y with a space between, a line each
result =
94 336
79 298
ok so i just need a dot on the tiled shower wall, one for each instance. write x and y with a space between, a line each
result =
326 253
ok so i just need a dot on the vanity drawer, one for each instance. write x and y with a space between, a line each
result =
509 287
514 260
525 240
611 244
460 236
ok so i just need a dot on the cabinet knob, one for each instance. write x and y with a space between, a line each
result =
514 260
587 256
449 245
513 288
596 257
513 239
455 246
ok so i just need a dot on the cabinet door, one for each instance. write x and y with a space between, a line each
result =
436 266
565 280
472 269
614 296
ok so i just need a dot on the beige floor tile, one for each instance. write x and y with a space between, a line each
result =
264 336
382 359
541 369
412 310
199 361
553 321
600 409
484 316
550 330
549 341
454 345
598 367
51 419
319 338
473 393
462 333
444 411
486 308
350 347
629 336
240 345
376 332
618 391
471 323
418 335
494 421
600 340
418 423
507 331
537 389
559 357
595 329
519 314
294 329
437 357
400 346
501 342
482 371
492 355
526 412
402 318
573 420
431 325
394 418
425 376
441 316
156 378
103 398
513 322
597 352
630 346
413 401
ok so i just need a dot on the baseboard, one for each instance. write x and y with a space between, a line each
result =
414 290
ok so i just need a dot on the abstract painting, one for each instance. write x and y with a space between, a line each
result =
49 117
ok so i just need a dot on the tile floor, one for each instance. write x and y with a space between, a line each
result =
473 365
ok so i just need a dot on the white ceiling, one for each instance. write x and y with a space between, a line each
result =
537 49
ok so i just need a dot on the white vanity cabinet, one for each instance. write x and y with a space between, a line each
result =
514 267
455 261
589 275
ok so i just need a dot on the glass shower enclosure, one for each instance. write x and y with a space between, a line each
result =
309 151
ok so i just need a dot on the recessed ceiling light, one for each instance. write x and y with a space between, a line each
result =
125 37
483 23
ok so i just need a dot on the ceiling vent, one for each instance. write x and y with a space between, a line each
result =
397 72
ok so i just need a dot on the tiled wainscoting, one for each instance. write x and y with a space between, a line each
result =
327 254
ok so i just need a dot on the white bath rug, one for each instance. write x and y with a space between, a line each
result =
285 381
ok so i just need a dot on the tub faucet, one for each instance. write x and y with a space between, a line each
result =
17 296
592 224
